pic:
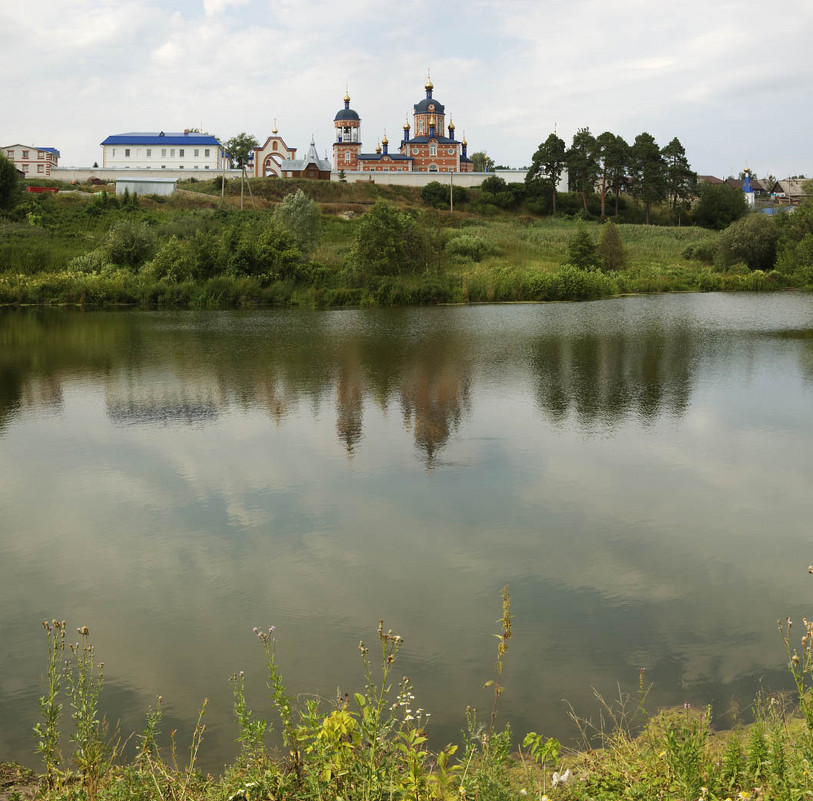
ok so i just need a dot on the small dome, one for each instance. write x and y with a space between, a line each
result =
451 125
406 125
385 141
345 114
378 148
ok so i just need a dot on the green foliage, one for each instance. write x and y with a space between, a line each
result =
795 245
129 244
435 194
389 242
239 147
8 183
583 163
547 166
482 162
647 171
581 250
751 240
468 246
701 251
301 217
718 205
610 248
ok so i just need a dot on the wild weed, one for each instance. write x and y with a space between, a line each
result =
684 743
47 730
252 731
84 682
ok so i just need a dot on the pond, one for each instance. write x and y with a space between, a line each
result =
636 470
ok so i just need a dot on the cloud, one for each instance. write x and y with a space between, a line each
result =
509 72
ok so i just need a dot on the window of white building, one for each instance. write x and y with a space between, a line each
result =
206 152
197 152
180 152
127 152
149 152
25 154
172 152
163 152
40 168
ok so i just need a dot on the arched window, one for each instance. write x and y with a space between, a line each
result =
274 146
433 168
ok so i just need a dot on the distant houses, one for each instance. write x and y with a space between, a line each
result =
32 162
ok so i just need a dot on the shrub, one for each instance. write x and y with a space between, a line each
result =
388 242
469 246
129 244
611 248
301 217
719 205
751 240
581 250
435 194
175 262
94 261
701 251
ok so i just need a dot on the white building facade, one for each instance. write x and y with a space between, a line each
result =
33 162
188 150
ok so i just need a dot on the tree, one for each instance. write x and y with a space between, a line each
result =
719 205
482 162
8 183
582 164
681 180
300 215
547 165
617 159
611 248
647 171
239 147
581 250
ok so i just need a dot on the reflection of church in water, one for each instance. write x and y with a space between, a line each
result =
429 145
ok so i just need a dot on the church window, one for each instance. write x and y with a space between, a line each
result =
420 126
274 146
347 155
433 150
433 168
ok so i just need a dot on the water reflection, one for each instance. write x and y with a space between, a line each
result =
636 470
604 377
177 373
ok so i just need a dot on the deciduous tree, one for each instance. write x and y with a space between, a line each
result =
482 162
239 147
8 182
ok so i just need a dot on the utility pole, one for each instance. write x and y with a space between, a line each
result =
451 193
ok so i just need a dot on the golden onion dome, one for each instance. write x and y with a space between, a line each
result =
428 85
378 148
385 141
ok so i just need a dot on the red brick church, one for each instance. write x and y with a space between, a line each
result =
432 148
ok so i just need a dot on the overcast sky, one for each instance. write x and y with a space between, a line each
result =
733 80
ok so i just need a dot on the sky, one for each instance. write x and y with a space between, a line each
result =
731 79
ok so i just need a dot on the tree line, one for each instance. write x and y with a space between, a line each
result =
608 164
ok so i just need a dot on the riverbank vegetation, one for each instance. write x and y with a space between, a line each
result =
318 243
374 743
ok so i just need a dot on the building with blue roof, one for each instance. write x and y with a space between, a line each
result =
186 150
433 148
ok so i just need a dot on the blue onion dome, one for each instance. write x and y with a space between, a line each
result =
346 113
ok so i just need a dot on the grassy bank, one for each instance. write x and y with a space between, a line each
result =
199 249
373 743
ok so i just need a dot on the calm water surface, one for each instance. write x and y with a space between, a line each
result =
637 470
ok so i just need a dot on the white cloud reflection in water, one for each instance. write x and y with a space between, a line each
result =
636 470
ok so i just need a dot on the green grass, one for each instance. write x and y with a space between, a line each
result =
504 256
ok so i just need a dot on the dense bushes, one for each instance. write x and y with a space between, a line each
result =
750 240
718 206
